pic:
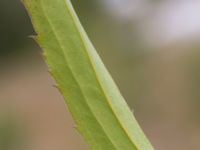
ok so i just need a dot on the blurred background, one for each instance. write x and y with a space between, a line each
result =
151 48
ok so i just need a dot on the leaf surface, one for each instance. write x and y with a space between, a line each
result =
100 112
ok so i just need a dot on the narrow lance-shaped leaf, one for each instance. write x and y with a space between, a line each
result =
100 112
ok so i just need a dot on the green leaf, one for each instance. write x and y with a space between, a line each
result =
100 112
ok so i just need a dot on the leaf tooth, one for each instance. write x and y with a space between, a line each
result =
55 86
32 37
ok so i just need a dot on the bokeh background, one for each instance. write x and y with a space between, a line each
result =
151 48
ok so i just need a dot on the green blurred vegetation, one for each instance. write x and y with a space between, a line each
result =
14 27
10 132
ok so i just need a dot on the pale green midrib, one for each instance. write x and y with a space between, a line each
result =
65 59
78 25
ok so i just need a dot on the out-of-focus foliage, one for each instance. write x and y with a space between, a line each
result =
10 135
14 27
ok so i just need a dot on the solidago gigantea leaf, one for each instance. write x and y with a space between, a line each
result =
100 112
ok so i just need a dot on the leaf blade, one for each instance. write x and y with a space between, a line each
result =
97 106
